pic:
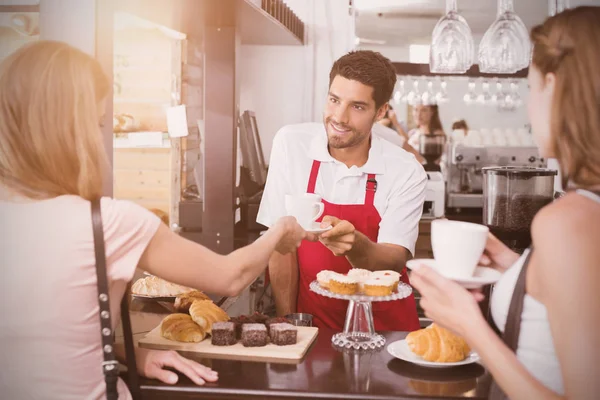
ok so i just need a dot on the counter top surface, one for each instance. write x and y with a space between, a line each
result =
324 373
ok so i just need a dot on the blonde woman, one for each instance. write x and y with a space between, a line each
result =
557 349
51 163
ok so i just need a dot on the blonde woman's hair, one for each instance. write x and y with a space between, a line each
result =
50 138
567 45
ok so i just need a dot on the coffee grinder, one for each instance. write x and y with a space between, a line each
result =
431 148
511 198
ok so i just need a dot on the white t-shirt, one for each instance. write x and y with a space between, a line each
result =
49 316
400 178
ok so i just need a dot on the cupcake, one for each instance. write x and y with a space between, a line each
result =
389 274
361 275
379 286
323 278
343 284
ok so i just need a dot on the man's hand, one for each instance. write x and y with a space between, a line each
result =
152 364
341 238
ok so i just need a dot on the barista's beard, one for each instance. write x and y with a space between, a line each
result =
350 139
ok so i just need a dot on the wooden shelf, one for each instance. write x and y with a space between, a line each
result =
260 28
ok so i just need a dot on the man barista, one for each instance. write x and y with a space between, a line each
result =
373 193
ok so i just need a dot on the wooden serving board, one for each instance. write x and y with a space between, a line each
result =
269 353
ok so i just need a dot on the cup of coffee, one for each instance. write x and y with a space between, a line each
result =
305 207
457 246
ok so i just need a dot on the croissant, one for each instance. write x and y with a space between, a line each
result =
205 313
436 344
181 328
184 301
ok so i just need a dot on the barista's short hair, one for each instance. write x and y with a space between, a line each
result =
369 68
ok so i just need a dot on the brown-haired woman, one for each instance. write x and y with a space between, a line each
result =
427 119
51 166
558 347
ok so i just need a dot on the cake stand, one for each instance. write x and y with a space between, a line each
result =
359 329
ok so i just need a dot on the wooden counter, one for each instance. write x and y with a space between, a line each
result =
324 373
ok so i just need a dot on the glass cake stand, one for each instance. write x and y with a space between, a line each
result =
359 330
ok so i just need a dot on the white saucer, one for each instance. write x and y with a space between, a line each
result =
400 349
315 227
482 276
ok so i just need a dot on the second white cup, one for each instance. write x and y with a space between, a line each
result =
306 208
457 246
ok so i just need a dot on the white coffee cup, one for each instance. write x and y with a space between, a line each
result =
457 246
306 208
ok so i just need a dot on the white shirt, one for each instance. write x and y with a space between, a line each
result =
536 347
400 179
388 134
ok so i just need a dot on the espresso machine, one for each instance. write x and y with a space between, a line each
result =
465 163
431 148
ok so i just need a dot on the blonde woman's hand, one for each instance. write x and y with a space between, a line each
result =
497 255
292 236
152 364
447 303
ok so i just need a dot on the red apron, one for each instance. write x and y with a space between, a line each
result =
313 257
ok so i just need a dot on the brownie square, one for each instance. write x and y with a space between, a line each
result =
223 334
275 320
254 335
283 334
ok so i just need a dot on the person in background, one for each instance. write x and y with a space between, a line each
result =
460 124
427 119
558 346
52 163
390 129
373 194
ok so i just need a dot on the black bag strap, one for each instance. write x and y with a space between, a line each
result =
512 329
110 366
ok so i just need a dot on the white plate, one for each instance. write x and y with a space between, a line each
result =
482 276
400 349
315 227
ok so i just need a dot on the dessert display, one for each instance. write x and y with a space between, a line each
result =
153 286
436 344
181 328
254 335
378 286
360 281
205 313
223 334
343 284
184 301
283 334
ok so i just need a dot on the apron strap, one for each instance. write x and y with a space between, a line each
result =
371 189
512 329
312 180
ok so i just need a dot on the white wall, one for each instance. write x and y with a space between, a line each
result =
288 84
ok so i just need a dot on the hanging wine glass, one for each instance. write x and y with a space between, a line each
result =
470 97
452 48
557 6
400 94
516 97
428 97
414 96
505 47
442 95
485 98
499 95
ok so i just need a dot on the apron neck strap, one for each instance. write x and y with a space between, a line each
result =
371 189
312 180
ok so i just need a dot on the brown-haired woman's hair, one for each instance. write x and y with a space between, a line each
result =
50 139
567 45
369 68
435 124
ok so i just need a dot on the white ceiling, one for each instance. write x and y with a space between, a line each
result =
404 22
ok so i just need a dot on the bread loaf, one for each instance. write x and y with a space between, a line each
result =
205 313
181 328
436 344
184 301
